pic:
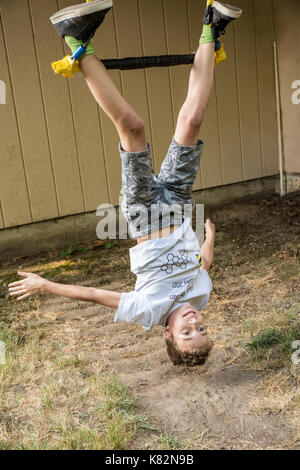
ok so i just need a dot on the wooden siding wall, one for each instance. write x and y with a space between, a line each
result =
58 151
287 18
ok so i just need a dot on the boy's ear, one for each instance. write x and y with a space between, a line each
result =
167 332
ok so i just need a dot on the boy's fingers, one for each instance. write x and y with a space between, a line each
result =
23 296
21 273
17 283
18 292
13 289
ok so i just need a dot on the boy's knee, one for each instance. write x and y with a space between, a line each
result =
132 124
193 118
137 128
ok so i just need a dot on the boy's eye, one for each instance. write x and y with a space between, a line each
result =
201 328
186 332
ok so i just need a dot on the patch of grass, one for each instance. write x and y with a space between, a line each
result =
11 341
68 361
47 402
117 420
120 431
23 357
288 271
265 339
9 337
277 394
168 441
120 408
111 244
274 344
4 445
277 319
116 396
32 446
69 251
92 413
81 438
66 266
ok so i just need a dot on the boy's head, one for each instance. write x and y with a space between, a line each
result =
186 337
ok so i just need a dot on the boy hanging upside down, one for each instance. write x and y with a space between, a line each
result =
171 287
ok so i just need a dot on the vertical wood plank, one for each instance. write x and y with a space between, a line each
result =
158 80
228 111
286 27
58 110
211 168
264 28
295 165
248 92
30 111
1 217
106 48
14 200
178 42
130 44
88 139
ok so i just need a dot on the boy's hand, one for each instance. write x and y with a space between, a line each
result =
207 249
31 284
210 228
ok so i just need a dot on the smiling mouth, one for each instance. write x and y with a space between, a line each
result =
187 313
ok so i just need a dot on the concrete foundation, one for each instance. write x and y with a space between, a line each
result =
33 239
292 183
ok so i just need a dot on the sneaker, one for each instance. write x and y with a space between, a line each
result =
219 16
81 21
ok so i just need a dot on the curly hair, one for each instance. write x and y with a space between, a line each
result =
186 358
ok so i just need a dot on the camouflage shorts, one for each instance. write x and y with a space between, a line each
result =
147 197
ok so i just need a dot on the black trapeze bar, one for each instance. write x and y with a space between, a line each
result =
132 63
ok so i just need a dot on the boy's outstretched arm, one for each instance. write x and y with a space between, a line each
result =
32 284
208 247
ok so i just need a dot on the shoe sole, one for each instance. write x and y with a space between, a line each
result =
228 10
83 9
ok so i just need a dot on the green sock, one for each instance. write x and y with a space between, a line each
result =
74 44
206 34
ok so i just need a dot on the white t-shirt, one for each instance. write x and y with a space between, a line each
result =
168 276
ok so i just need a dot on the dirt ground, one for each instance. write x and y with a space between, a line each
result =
245 397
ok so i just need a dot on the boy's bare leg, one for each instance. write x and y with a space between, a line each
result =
128 124
200 86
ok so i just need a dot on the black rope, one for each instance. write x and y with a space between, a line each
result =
132 63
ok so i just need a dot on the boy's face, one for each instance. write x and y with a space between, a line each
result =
187 327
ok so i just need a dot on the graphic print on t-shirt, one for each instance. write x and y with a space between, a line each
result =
183 287
179 260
